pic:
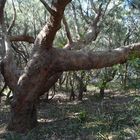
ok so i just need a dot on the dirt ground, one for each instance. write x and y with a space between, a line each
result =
116 117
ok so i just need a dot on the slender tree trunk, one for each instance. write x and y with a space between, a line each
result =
24 118
80 95
81 90
125 77
102 92
102 88
72 95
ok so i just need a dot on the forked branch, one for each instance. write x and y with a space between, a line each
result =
50 10
46 36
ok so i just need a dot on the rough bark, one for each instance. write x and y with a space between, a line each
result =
77 60
23 118
37 72
46 37
24 38
46 65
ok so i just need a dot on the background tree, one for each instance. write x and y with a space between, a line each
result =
43 63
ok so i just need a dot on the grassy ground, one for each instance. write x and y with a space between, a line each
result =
116 117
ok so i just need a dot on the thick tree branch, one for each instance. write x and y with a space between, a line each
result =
44 88
35 72
50 82
24 38
71 60
46 36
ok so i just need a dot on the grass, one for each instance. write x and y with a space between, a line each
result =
116 117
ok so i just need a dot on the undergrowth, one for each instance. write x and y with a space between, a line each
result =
116 117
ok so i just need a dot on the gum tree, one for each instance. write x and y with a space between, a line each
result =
47 63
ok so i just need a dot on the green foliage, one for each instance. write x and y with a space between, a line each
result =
134 61
82 116
113 118
127 134
13 136
118 27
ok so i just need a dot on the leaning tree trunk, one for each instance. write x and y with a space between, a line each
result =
38 75
46 65
23 106
24 118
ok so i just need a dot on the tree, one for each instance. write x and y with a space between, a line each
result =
47 63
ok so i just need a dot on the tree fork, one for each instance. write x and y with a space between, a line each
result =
37 77
47 64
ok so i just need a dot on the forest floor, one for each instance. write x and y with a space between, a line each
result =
116 117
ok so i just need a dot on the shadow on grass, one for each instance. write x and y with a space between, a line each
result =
93 118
